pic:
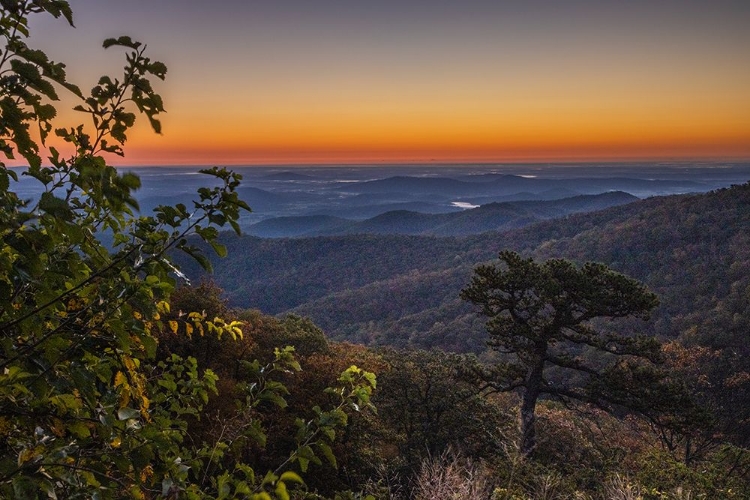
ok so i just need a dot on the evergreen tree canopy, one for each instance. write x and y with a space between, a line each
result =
542 318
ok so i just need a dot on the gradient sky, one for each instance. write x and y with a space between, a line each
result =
332 81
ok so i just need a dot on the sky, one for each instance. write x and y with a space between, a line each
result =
334 81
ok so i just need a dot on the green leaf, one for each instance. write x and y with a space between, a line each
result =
281 492
46 112
54 206
4 179
127 413
220 249
291 477
79 429
124 41
24 488
305 455
328 453
158 69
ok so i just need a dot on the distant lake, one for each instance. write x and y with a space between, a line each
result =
463 204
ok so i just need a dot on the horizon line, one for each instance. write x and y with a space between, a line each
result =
120 162
437 163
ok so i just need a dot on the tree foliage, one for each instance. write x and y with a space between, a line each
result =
432 408
86 408
541 317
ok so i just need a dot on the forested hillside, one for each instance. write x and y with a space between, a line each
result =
488 217
403 290
692 250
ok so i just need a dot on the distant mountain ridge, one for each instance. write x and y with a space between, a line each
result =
289 175
693 250
361 192
507 184
489 217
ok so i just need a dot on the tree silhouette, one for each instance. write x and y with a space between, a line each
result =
541 316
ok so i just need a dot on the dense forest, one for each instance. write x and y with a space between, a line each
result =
505 365
403 291
690 249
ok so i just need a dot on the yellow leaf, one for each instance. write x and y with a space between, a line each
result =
237 332
173 326
29 454
120 379
129 363
146 473
116 442
144 403
189 330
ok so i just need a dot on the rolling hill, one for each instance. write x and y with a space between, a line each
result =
490 217
693 250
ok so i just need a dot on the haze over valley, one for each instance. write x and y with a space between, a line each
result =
295 201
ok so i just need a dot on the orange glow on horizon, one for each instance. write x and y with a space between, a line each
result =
359 82
517 125
495 138
562 153
374 143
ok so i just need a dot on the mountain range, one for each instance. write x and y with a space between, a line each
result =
692 250
490 217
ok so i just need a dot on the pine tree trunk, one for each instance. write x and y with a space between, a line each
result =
528 408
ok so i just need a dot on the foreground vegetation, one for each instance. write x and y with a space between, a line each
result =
436 434
118 383
88 408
